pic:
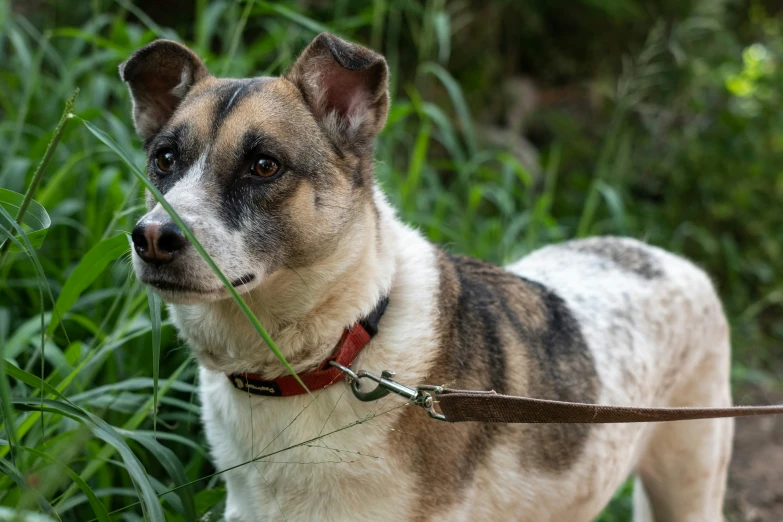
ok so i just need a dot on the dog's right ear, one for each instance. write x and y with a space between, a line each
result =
159 75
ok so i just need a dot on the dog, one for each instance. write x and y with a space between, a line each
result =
274 176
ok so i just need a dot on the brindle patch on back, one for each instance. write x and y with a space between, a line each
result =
621 254
501 332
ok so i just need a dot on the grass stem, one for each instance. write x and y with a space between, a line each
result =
28 196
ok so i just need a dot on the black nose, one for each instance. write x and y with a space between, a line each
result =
157 242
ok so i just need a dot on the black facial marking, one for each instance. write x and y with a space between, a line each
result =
258 143
247 199
175 136
229 95
233 98
622 255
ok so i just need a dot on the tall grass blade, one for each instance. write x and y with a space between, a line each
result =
97 506
237 37
418 158
42 282
9 470
457 99
100 428
23 107
285 12
173 467
131 424
144 18
154 304
615 203
86 272
28 197
149 499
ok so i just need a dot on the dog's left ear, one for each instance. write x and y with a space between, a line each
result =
346 87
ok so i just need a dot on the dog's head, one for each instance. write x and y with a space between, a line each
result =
268 173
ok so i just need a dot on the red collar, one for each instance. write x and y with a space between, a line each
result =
351 343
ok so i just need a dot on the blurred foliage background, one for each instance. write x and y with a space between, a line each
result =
513 125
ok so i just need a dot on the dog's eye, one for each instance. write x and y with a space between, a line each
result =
165 160
265 167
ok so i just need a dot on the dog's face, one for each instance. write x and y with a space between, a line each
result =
268 173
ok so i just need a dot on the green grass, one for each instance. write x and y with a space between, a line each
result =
682 148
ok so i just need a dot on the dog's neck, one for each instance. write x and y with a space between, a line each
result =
305 310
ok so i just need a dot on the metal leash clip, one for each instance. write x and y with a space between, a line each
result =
420 396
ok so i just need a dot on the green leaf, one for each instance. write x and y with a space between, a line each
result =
4 388
99 510
207 25
100 428
457 99
8 469
17 515
32 380
416 164
615 203
149 498
36 217
173 467
100 492
136 383
208 499
91 266
131 424
295 17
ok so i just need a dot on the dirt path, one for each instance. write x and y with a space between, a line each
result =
755 492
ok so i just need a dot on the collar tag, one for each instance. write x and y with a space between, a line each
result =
255 386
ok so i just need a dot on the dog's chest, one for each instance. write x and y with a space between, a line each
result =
298 456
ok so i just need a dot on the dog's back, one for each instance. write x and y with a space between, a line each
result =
659 337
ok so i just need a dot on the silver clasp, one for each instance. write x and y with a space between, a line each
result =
421 395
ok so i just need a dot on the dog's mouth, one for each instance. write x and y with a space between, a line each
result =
169 286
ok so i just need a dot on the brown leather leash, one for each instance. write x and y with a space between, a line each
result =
471 406
488 406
